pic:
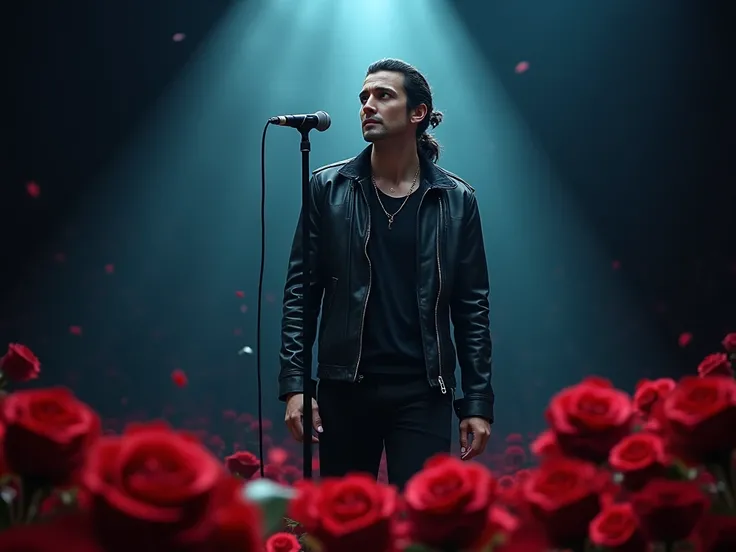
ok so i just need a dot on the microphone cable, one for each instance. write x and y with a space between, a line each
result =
259 308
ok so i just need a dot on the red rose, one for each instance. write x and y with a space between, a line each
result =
69 532
700 415
48 434
19 363
274 472
514 458
509 487
243 464
648 392
597 381
545 444
717 532
616 528
350 513
669 510
638 458
151 485
505 482
283 542
589 418
715 365
522 475
447 502
563 494
729 343
514 439
236 523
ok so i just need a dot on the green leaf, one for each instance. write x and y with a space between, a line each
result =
680 471
290 523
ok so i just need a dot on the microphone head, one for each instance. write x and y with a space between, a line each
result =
323 121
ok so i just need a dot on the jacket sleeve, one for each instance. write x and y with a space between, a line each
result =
293 340
469 309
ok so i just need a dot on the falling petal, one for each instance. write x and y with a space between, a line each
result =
178 37
179 378
75 330
684 339
110 268
522 67
33 189
278 456
240 294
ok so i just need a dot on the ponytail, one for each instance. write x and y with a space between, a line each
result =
428 144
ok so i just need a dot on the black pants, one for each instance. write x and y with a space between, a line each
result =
401 413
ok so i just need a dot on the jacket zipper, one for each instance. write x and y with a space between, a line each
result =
368 293
441 382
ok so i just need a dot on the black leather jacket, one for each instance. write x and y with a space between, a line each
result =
453 283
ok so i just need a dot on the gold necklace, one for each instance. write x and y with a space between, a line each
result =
389 215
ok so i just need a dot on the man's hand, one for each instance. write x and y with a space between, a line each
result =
480 429
294 417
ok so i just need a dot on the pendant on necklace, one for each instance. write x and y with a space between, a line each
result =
390 222
392 190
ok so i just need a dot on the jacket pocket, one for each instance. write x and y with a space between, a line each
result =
327 332
330 295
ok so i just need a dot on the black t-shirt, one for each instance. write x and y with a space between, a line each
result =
392 339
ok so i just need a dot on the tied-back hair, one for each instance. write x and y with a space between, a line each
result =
417 92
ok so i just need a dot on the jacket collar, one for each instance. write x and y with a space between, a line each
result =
359 168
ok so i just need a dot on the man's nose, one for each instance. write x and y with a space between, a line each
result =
368 109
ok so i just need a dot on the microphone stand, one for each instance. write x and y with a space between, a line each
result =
305 147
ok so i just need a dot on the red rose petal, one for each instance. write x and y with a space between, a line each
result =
33 189
521 67
684 339
179 378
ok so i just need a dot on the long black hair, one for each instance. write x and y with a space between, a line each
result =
417 92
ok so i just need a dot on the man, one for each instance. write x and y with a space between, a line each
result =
396 254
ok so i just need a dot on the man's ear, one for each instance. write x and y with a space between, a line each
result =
419 114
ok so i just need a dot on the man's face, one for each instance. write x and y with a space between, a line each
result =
383 108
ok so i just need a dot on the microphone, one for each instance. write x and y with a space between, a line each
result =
320 120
